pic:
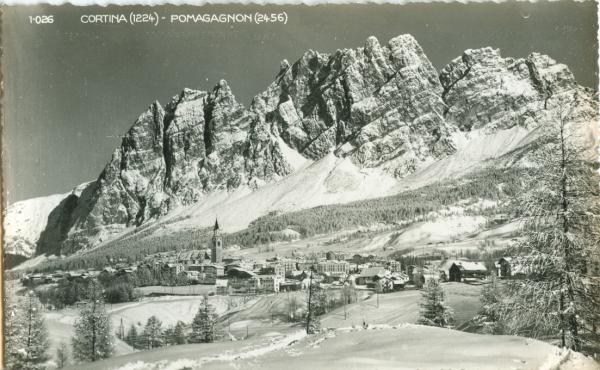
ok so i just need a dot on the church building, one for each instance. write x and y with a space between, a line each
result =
216 245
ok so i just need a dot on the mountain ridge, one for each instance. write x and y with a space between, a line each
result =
381 111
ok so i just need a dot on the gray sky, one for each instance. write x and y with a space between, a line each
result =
71 89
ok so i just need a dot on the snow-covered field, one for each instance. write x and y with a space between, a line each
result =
60 329
264 315
168 309
177 290
403 307
452 234
441 230
404 346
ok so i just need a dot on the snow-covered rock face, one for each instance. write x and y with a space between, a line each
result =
482 89
382 101
24 221
382 107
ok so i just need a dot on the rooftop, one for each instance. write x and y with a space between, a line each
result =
372 271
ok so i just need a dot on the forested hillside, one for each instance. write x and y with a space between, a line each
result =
490 183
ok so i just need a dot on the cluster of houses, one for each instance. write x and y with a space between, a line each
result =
236 276
57 276
465 270
233 275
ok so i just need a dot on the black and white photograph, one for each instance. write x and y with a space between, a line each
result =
298 186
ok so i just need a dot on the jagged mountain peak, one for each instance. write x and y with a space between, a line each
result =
324 100
151 118
481 88
371 43
378 108
186 95
222 91
541 69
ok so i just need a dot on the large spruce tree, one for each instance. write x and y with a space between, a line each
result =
179 333
93 340
26 335
132 337
491 305
204 328
316 306
153 334
434 310
561 233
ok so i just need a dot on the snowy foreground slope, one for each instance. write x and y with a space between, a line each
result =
380 347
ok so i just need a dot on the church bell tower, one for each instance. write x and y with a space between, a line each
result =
216 245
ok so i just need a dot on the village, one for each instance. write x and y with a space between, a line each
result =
221 274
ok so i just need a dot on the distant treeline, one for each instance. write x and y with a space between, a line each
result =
489 183
116 288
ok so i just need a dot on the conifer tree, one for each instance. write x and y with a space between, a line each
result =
179 333
319 301
153 333
175 334
316 306
204 324
131 337
12 333
434 310
491 306
168 335
26 335
560 216
92 340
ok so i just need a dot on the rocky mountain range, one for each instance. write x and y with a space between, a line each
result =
377 109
